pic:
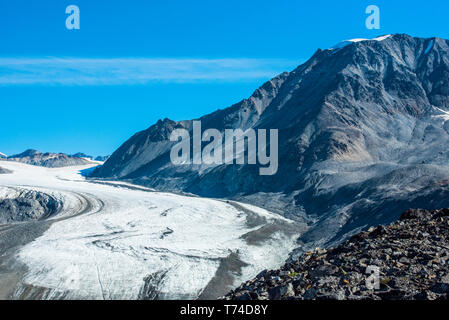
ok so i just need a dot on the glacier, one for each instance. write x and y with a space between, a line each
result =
115 240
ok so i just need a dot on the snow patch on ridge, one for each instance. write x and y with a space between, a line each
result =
351 41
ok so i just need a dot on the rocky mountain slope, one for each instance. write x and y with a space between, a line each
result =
50 160
363 133
412 256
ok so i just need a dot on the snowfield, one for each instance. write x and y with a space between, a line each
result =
114 240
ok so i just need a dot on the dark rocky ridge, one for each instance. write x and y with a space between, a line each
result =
412 255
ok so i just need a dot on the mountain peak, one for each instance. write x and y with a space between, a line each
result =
369 118
345 43
81 155
26 153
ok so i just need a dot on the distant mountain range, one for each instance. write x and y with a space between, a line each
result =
4 171
52 160
363 135
83 155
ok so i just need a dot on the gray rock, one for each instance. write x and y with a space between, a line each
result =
323 271
310 294
50 160
278 292
440 287
244 296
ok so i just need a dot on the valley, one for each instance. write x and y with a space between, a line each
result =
114 240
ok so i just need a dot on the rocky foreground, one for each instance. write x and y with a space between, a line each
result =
412 255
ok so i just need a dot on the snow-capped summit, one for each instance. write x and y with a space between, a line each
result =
3 156
345 43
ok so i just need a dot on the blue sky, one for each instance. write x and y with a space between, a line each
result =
134 62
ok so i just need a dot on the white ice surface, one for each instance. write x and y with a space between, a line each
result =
124 235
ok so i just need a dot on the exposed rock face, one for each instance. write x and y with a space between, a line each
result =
50 160
412 256
24 205
363 133
4 171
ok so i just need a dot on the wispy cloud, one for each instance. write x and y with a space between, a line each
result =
116 71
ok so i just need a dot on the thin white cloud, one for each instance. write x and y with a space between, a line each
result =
117 71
